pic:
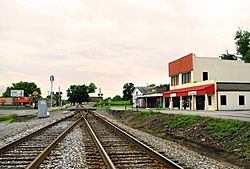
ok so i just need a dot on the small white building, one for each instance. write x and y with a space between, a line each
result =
137 96
149 97
205 83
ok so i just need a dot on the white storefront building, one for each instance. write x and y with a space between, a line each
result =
205 83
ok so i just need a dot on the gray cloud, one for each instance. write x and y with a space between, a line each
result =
111 42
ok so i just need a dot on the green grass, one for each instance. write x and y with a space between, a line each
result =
120 103
102 104
14 108
224 128
183 121
148 113
4 118
236 132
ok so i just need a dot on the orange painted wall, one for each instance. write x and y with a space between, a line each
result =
182 65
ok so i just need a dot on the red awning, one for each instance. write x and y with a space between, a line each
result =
23 100
195 90
2 100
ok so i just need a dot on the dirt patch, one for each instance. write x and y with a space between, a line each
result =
194 132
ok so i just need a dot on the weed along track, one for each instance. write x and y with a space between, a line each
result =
123 150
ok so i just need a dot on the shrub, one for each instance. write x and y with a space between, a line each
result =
8 117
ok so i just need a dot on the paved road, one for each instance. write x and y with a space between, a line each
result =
239 115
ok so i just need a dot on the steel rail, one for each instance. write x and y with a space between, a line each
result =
39 159
29 136
143 146
103 153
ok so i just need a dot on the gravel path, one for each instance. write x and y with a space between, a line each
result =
19 112
172 150
12 131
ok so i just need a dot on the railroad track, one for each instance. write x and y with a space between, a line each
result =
105 146
120 150
30 151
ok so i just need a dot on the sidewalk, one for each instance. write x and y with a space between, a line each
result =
238 115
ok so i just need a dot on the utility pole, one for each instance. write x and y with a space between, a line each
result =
51 91
59 97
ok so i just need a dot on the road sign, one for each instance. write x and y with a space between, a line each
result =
35 93
17 93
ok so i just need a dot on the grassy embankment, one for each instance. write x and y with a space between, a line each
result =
8 118
103 104
226 137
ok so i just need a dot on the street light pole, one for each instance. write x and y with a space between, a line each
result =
51 91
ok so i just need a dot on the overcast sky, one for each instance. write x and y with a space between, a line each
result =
111 42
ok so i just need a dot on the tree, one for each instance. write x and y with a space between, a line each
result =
151 85
228 56
167 86
242 39
247 57
28 87
117 98
242 42
127 91
80 93
92 88
108 100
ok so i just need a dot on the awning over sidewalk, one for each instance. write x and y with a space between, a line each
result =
188 91
23 100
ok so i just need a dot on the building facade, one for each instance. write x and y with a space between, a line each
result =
205 83
14 101
149 97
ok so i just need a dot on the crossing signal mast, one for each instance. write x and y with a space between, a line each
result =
100 92
51 78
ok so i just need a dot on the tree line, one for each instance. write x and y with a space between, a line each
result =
75 93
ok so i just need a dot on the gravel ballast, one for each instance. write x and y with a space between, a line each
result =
12 131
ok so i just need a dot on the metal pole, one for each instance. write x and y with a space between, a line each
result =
51 93
59 97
